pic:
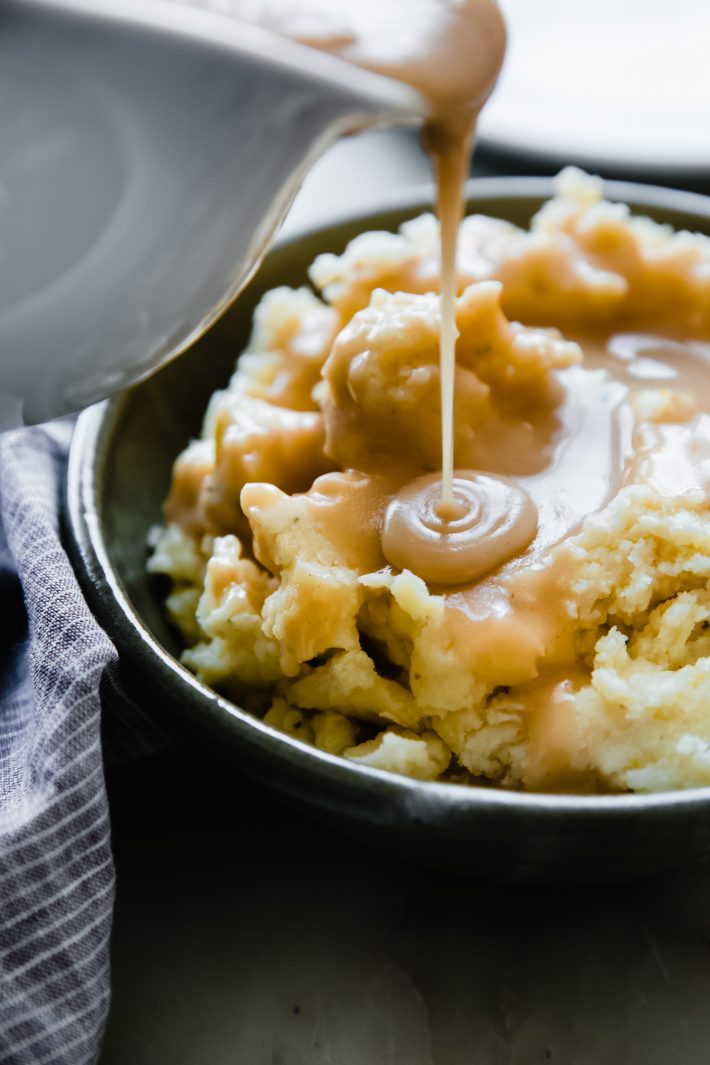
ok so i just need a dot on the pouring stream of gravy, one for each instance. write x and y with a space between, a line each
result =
451 52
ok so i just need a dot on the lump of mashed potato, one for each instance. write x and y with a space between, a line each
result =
382 388
583 664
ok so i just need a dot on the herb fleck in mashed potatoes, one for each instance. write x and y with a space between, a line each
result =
582 374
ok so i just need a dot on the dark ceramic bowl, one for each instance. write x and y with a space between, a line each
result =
119 475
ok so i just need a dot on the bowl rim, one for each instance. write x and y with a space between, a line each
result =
115 612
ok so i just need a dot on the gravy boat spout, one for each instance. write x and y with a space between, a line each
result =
149 152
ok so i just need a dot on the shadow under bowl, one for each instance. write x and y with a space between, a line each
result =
119 474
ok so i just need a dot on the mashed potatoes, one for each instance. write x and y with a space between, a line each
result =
583 664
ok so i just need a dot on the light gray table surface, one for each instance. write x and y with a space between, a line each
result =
245 934
248 935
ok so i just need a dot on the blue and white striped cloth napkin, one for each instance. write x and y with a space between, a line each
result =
56 869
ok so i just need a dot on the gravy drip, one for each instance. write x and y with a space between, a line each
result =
451 52
451 151
452 57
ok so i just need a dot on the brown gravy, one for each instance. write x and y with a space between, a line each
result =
451 53
454 64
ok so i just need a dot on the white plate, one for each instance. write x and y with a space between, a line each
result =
605 83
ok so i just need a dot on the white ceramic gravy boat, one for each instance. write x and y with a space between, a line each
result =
149 152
